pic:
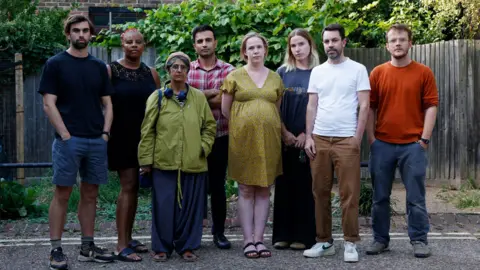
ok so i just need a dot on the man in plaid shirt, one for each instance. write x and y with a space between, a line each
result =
207 74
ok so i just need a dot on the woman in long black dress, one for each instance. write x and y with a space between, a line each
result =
133 82
294 212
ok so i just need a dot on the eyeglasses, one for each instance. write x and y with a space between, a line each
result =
177 67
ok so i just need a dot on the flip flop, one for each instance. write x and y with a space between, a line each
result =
123 255
137 246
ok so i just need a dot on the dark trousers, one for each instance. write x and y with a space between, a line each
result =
217 170
294 208
175 228
412 163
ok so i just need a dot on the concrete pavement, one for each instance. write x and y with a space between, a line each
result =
460 250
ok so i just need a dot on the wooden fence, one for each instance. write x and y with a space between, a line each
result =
453 153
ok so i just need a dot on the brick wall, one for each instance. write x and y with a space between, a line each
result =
85 4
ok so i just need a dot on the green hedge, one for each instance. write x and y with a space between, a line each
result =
169 27
36 34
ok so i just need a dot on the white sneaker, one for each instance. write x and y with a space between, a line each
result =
320 249
350 254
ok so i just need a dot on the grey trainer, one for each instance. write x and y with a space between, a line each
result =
420 249
376 248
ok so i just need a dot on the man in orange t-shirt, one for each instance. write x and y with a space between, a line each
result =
404 99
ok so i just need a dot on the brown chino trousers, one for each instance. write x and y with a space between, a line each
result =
342 155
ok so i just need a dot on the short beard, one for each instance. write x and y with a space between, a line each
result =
79 46
399 57
334 57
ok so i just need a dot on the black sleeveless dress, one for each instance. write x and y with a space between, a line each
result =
132 89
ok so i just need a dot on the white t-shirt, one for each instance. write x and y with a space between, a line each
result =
337 86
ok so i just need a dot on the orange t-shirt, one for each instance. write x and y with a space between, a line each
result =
401 95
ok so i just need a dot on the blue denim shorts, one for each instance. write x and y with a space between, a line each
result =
87 156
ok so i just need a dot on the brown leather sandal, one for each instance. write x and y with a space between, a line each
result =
160 257
189 256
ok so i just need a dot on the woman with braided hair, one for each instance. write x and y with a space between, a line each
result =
133 81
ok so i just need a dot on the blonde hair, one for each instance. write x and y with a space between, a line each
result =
313 58
248 36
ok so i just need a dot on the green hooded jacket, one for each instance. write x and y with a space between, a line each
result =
182 137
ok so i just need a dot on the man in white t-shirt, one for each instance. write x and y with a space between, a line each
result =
334 132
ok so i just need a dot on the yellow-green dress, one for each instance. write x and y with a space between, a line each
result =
254 148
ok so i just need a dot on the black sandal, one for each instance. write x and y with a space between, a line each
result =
249 253
138 246
264 253
123 255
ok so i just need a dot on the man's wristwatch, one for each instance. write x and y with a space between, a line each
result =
106 133
425 141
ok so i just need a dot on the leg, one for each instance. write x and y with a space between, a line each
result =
322 181
126 208
246 210
281 210
302 206
261 210
66 162
188 218
346 158
412 165
58 211
164 193
217 168
322 177
94 172
87 208
383 162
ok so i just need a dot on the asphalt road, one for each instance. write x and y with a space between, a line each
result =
449 251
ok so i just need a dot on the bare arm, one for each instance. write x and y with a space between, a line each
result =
156 78
108 112
227 101
211 93
109 71
50 108
215 102
364 104
311 113
430 118
370 127
284 129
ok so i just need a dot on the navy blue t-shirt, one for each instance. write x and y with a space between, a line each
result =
295 99
79 84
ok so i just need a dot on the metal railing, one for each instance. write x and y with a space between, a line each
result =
363 164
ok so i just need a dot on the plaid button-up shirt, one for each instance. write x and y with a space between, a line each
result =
211 79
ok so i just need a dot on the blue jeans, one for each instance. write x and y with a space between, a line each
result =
412 163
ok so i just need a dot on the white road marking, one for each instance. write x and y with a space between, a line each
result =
232 238
208 236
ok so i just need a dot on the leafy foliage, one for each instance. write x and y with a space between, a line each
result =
169 27
17 201
36 34
455 18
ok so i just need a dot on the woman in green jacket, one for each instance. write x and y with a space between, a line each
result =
177 136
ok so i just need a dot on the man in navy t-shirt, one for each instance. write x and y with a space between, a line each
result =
76 95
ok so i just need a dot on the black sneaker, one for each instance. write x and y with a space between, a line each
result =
58 260
95 254
221 241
